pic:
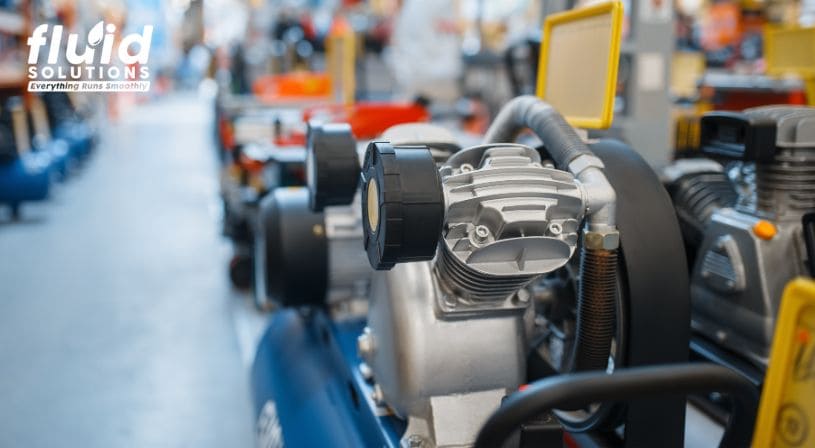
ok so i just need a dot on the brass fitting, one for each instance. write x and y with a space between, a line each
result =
601 239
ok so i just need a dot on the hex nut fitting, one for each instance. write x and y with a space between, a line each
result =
597 240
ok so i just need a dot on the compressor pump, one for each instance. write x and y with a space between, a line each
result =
462 242
749 227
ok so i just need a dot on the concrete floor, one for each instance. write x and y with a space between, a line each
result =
118 327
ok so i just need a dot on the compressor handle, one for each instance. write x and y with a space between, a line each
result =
581 389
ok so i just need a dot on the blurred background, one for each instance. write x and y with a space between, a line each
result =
128 315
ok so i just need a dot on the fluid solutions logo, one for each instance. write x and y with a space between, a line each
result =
103 65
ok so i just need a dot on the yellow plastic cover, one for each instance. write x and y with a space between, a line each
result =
786 416
577 71
790 50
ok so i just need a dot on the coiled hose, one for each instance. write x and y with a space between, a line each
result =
598 267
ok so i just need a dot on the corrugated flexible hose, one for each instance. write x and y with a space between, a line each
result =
596 307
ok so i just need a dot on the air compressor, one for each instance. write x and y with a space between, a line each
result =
25 175
461 247
747 217
528 291
67 124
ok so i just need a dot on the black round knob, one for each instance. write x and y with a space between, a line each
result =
402 204
332 165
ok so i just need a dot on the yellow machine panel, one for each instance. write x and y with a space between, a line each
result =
786 417
791 51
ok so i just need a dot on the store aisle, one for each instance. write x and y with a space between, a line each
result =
116 316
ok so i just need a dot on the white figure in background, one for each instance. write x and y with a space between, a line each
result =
425 52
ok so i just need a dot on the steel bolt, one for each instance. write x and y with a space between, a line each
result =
481 233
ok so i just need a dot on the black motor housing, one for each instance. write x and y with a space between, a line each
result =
291 251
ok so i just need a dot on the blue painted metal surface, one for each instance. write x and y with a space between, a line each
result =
79 137
306 380
26 178
60 156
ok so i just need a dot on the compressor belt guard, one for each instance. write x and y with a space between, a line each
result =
656 294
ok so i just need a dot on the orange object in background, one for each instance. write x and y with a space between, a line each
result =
291 139
745 99
226 133
368 120
478 119
340 27
740 99
722 26
250 164
292 86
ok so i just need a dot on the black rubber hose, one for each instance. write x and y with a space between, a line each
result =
559 138
596 306
580 389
